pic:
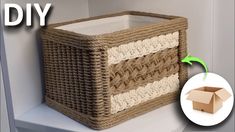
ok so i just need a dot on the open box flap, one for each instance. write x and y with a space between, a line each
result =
223 94
200 96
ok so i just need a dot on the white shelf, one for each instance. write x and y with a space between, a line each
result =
43 118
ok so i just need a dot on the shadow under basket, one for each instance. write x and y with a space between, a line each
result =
104 70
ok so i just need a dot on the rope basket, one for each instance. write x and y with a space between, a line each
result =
104 70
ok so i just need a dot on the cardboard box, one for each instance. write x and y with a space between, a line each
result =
208 99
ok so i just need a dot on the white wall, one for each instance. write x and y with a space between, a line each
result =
22 52
223 51
198 12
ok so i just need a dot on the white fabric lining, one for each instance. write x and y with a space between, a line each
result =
150 91
142 47
110 24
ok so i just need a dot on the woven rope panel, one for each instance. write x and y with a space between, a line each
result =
105 79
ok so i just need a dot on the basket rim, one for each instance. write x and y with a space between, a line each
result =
137 13
175 23
170 18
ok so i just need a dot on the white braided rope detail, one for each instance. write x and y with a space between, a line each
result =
150 91
142 47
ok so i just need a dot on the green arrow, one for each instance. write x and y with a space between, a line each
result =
189 59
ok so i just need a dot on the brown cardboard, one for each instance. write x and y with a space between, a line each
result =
208 99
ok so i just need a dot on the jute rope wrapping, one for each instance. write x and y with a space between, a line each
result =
144 93
142 47
79 81
135 72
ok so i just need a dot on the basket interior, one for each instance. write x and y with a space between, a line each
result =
110 24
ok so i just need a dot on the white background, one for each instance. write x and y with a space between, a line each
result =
210 37
204 118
